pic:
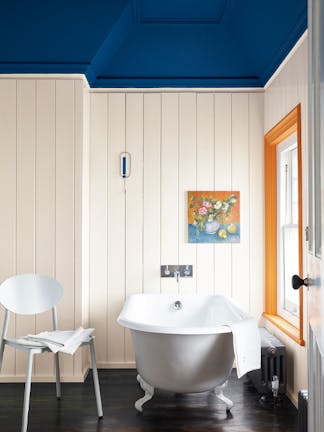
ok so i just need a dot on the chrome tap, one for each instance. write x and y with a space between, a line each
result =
176 274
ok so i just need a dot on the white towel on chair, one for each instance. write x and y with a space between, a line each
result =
247 345
67 341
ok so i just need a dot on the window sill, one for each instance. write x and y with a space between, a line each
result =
285 326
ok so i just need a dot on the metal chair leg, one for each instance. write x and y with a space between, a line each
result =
57 374
27 391
95 379
4 333
1 353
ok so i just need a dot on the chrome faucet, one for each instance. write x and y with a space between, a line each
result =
177 275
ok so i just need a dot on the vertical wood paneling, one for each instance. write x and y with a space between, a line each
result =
240 182
293 82
151 192
78 157
223 181
26 149
205 182
256 210
189 141
8 217
116 227
134 208
64 198
99 223
41 131
169 186
86 221
45 202
187 182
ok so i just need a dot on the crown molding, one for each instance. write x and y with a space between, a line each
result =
63 76
178 90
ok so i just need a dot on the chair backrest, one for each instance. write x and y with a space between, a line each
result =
29 294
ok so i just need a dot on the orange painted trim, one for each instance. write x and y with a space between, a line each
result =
286 127
286 327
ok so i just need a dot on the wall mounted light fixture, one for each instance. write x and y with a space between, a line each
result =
125 165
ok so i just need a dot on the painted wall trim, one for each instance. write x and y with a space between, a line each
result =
46 378
132 89
113 365
286 60
178 90
71 76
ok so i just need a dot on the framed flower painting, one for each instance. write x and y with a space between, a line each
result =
213 217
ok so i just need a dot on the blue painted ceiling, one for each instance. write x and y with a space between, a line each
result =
151 43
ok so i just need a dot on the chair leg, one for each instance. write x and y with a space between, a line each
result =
95 379
57 374
1 353
27 391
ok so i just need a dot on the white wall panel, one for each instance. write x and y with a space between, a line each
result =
286 90
26 153
169 186
99 222
187 182
178 142
205 182
79 290
223 181
65 153
116 228
8 196
240 182
41 130
256 203
151 192
134 207
45 199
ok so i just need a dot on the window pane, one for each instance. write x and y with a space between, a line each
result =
290 267
288 244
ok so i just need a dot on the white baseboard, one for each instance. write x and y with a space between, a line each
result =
292 397
114 365
45 378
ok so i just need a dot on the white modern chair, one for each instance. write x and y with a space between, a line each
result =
29 294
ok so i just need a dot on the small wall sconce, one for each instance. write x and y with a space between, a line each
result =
125 165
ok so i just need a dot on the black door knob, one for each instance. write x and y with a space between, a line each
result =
297 282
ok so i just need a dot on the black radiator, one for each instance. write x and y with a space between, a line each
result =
273 363
302 410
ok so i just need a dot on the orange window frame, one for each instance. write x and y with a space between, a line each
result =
287 126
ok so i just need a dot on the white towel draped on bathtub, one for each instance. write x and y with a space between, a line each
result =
247 345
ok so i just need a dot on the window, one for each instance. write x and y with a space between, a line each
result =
283 225
287 228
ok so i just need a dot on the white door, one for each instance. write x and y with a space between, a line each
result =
315 291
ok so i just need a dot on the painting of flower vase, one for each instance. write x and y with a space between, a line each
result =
213 217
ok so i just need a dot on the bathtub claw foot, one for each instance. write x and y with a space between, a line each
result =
220 395
149 392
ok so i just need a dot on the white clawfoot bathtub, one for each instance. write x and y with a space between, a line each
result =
182 343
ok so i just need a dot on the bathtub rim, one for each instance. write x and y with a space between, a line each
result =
149 328
194 330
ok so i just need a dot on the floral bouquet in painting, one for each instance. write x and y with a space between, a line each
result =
213 217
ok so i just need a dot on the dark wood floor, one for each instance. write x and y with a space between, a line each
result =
76 412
